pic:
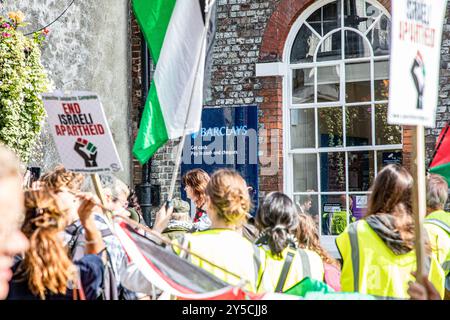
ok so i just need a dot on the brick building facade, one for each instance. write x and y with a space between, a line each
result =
247 69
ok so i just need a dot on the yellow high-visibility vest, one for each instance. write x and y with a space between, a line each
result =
303 263
228 250
437 225
370 266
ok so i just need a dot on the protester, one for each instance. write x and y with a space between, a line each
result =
195 182
308 238
12 240
46 271
227 254
285 263
305 203
117 193
180 223
378 251
68 184
437 223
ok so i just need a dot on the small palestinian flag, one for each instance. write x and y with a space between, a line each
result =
440 163
180 46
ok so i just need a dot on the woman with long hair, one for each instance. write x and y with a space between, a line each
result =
378 251
286 264
227 254
308 238
46 271
195 182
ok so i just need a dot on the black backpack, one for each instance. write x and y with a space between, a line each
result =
76 244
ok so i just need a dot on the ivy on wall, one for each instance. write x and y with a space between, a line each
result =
22 80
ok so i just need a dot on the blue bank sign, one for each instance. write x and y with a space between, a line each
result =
228 138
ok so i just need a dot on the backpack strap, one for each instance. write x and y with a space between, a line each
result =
284 271
306 263
440 224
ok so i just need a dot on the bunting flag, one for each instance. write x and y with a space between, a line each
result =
440 163
172 274
175 33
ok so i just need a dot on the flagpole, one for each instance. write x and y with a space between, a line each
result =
208 5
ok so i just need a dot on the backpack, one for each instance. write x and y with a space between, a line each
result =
76 244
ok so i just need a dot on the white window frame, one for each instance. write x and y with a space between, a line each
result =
286 72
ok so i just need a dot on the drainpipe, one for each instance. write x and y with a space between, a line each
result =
145 188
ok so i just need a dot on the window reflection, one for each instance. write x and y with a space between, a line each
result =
303 128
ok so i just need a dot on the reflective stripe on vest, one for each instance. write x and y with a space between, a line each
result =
306 264
353 235
284 271
257 264
440 224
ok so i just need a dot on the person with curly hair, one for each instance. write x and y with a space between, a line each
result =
46 271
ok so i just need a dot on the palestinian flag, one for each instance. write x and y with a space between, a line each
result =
440 163
176 35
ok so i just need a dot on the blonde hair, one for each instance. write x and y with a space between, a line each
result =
47 264
60 177
229 197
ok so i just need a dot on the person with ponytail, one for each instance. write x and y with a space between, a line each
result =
46 271
286 264
222 250
378 251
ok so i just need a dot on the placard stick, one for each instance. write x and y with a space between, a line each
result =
419 197
99 191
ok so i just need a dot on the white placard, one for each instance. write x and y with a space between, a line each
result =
81 133
415 61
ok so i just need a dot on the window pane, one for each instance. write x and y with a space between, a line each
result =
385 157
304 47
384 133
355 46
330 49
332 171
303 85
372 11
334 214
359 126
356 15
325 19
380 37
308 204
358 206
357 82
305 172
361 169
328 83
303 132
330 127
381 83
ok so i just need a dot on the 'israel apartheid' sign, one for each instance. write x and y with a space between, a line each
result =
81 133
415 56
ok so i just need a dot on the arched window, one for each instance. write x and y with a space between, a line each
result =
336 94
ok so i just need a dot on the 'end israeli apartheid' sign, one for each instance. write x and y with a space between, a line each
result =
415 56
81 133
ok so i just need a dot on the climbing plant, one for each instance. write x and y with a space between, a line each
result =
22 81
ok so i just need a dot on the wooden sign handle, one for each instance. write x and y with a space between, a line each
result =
419 205
99 191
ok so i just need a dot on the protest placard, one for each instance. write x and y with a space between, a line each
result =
81 133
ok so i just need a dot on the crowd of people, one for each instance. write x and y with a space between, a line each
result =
57 243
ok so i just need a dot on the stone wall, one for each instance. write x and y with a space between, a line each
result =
86 50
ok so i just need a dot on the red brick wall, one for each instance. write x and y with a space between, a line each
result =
272 46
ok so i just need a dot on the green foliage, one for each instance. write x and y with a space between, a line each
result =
22 80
